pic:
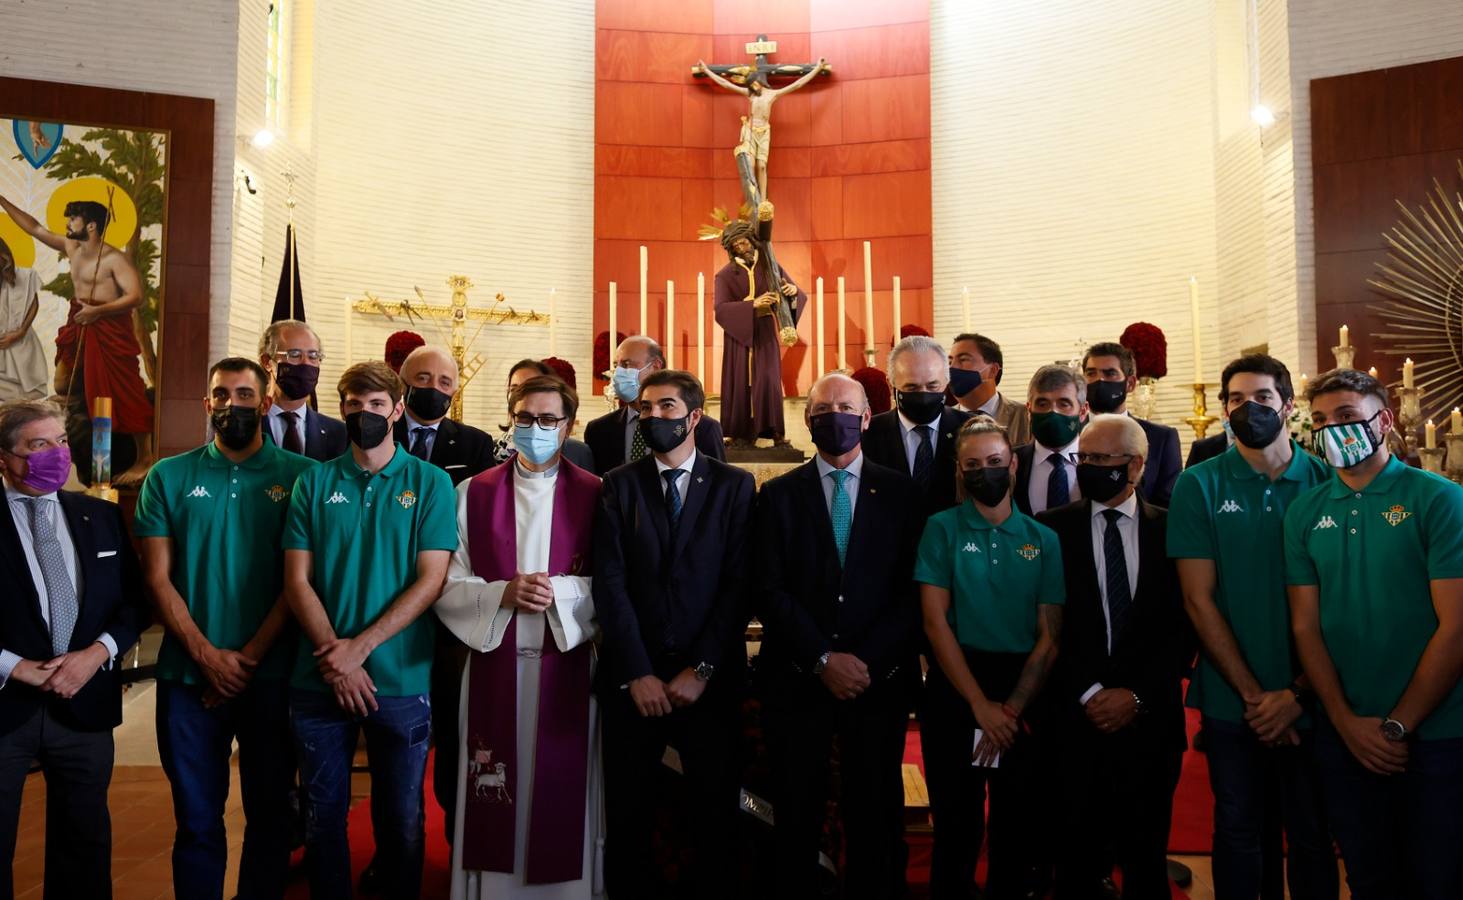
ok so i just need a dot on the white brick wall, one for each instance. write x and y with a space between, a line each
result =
168 46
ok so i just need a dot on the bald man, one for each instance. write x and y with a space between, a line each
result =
462 451
613 436
836 541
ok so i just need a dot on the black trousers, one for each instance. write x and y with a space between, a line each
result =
801 719
446 692
78 769
958 789
706 736
1118 792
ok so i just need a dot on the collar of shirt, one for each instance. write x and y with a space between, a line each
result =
1129 508
906 425
520 472
1379 485
276 412
686 465
1240 469
1069 453
970 517
398 462
990 406
631 413
412 424
15 497
855 468
256 460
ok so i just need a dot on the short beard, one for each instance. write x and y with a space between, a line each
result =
77 236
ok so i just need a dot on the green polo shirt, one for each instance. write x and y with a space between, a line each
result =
365 532
225 520
1225 511
996 575
1373 553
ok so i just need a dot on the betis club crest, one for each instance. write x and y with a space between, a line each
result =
1029 551
407 499
276 492
1396 515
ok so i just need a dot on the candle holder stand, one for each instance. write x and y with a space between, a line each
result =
1200 420
1454 467
1432 459
1345 356
1409 415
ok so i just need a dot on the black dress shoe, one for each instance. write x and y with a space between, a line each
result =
1107 889
370 884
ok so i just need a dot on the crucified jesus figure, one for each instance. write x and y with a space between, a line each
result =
756 137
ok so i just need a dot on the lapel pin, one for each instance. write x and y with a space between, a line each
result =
873 490
949 436
699 480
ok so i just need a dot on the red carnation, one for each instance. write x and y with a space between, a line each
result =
907 330
562 368
875 385
399 345
602 350
1150 349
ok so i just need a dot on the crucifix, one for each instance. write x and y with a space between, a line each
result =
457 314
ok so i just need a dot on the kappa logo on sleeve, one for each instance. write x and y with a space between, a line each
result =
1229 506
1325 522
198 491
337 497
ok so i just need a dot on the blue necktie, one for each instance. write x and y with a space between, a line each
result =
1057 492
1119 596
841 513
672 496
924 456
419 437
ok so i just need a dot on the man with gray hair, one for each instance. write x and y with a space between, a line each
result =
917 437
290 351
839 653
1125 646
1046 467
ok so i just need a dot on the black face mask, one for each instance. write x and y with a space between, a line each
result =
236 426
836 433
1106 396
1255 425
427 404
987 486
367 429
296 382
963 381
921 407
664 435
1101 483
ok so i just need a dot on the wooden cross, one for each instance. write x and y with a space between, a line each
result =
457 314
760 69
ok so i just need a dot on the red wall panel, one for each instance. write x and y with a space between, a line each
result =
850 160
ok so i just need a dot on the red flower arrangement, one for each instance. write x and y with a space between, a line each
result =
876 386
399 345
1150 349
602 350
907 330
562 368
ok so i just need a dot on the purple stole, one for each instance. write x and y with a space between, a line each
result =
556 819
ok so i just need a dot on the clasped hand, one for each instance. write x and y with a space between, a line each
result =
64 675
530 592
1270 714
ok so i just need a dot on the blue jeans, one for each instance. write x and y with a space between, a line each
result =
396 747
1400 835
1254 784
195 744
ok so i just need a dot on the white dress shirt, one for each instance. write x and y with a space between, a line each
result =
911 438
1041 470
276 424
683 478
431 436
1127 526
20 512
855 472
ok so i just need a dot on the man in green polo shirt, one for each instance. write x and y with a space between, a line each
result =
1225 532
1374 560
210 522
366 552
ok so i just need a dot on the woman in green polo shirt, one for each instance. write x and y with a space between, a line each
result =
992 591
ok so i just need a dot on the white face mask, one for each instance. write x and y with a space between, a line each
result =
1349 444
627 383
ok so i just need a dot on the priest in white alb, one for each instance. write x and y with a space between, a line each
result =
529 819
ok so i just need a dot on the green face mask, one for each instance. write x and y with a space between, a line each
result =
1053 429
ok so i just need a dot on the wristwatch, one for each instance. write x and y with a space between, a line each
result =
1394 730
1138 703
704 670
821 664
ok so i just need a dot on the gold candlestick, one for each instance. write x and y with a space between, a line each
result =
1454 468
1200 420
1409 413
1432 459
1345 356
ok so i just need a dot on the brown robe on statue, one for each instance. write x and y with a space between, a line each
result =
751 366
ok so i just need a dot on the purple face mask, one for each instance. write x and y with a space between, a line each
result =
47 470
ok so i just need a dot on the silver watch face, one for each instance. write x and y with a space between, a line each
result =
1393 730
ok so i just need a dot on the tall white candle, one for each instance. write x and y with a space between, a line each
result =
1407 378
898 313
644 290
868 295
965 305
553 324
670 324
701 327
1198 333
614 321
842 327
350 330
818 328
1345 336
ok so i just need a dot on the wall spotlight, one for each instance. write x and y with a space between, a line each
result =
1262 115
262 138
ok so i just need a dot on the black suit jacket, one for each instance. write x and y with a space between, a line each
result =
884 445
669 600
1019 492
1152 655
1207 448
111 600
808 603
1161 468
325 438
462 451
606 439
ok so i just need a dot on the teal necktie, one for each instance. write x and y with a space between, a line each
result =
842 512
